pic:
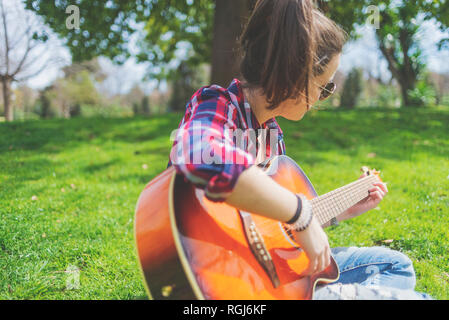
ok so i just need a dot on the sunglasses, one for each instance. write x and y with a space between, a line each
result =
327 90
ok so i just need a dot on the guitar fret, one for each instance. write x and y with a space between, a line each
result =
337 201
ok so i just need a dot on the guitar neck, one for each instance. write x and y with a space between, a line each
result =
332 204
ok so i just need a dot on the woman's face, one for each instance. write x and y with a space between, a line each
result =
295 109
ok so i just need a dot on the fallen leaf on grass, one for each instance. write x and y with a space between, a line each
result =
371 155
44 235
388 241
33 198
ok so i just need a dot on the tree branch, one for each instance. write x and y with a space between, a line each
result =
5 30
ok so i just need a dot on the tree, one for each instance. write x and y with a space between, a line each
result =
134 98
68 93
45 111
352 89
229 18
145 105
399 24
23 54
166 32
25 99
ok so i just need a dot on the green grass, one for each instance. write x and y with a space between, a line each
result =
68 190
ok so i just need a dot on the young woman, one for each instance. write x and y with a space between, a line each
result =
290 52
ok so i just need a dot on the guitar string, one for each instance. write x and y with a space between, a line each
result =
352 183
333 206
341 199
341 192
327 205
324 201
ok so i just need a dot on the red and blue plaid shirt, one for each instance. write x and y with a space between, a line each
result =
219 137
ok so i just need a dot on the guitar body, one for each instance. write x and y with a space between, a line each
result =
192 248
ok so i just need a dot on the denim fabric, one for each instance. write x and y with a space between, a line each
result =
374 273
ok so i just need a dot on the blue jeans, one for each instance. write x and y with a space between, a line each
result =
374 273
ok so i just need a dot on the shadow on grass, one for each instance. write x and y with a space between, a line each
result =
55 135
393 134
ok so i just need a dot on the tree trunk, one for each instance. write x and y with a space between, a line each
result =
230 17
403 73
6 86
407 84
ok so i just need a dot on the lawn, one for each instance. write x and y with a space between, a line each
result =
68 190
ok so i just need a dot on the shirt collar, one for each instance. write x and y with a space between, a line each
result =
236 88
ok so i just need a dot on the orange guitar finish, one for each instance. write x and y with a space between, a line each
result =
192 248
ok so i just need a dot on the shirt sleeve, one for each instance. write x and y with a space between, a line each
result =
205 149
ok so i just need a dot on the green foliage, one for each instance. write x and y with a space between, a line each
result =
352 89
142 107
163 29
136 108
352 13
105 111
445 100
69 93
184 85
43 107
387 96
424 94
399 23
177 27
105 26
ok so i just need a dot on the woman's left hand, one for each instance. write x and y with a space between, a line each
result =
376 194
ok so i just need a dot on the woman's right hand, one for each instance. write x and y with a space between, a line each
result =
258 193
315 244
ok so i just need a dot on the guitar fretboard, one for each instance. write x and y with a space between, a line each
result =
333 203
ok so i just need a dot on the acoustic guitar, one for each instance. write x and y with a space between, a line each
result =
192 248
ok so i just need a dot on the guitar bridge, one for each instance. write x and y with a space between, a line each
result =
258 248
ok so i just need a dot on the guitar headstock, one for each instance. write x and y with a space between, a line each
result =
369 172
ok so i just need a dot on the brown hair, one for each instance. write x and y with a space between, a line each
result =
283 44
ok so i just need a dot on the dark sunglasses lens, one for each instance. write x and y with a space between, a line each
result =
327 90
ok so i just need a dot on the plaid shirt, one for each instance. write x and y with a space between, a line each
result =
219 137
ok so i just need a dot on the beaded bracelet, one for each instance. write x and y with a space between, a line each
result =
301 220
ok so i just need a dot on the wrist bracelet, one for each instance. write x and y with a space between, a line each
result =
298 211
305 215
